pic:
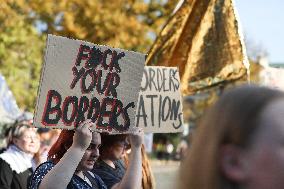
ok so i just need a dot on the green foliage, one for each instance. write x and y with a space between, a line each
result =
120 23
130 24
20 55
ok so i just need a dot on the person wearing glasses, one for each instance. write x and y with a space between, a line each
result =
17 162
110 165
71 159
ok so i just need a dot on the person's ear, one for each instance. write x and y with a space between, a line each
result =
233 162
15 141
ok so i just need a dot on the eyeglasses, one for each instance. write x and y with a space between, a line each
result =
30 137
93 147
123 144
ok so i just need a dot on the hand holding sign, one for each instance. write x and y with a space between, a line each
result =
83 135
136 137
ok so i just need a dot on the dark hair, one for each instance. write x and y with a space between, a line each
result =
109 140
232 120
43 130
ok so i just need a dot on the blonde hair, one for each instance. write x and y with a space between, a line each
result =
232 120
17 131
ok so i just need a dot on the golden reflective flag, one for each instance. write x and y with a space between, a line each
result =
203 39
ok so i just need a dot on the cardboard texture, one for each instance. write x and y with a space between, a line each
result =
82 80
159 108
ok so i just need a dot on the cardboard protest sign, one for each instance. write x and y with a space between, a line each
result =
81 81
159 108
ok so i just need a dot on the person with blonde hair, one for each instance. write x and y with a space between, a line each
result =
239 144
17 162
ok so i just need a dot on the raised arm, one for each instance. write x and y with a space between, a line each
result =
60 175
132 178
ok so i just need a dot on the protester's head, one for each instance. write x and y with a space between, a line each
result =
25 137
114 146
92 153
48 137
65 141
239 143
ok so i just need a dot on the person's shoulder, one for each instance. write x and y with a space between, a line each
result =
48 162
4 166
39 173
2 161
2 150
100 164
43 168
120 163
98 179
45 165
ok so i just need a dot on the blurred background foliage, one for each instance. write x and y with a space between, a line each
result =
128 24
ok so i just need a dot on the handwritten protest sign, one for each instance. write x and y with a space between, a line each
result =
159 108
81 81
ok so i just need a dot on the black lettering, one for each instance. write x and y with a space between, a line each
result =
145 75
160 107
141 107
126 116
91 86
174 109
114 61
65 107
105 113
152 78
152 107
82 108
177 83
77 75
164 118
101 89
180 121
94 109
52 94
105 54
164 80
117 111
81 54
113 81
96 57
160 79
171 82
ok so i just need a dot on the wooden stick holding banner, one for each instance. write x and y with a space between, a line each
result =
159 108
81 81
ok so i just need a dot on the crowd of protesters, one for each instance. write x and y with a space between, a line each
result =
26 148
234 147
34 158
